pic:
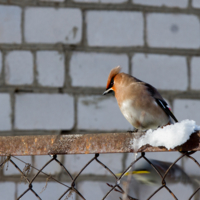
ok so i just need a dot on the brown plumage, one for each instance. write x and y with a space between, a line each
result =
140 103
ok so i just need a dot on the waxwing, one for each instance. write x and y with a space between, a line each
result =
140 103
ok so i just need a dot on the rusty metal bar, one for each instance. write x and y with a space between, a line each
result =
82 144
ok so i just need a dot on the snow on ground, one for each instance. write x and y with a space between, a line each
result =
169 136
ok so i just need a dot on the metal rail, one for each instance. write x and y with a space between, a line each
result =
83 144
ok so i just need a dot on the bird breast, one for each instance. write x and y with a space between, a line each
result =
142 119
130 113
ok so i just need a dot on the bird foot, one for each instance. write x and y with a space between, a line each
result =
134 131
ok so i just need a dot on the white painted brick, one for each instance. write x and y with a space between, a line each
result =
97 66
195 71
97 190
50 68
53 190
74 163
169 3
187 109
12 170
10 24
101 1
196 3
52 168
5 112
51 25
7 190
100 113
19 68
161 71
173 30
180 190
44 111
91 189
191 167
114 28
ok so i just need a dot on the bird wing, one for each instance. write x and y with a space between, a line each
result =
160 101
166 109
176 172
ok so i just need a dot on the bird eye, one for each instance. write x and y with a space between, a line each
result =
111 82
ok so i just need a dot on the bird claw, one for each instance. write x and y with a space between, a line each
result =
134 131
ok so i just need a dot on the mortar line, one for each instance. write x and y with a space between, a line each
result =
188 60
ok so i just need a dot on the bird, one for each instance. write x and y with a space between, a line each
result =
146 174
140 103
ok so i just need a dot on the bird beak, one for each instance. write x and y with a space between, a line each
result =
108 91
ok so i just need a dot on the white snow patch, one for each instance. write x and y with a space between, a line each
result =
169 136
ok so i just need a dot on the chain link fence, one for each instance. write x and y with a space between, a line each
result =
88 143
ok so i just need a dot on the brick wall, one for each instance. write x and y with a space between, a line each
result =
55 57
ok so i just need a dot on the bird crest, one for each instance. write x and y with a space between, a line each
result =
112 74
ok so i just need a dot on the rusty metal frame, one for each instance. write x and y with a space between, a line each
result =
82 144
12 146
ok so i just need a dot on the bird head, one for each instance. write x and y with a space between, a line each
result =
111 80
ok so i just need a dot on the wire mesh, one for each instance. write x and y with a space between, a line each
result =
72 187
